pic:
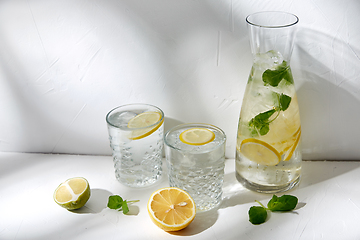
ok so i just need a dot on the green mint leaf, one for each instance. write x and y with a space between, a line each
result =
125 207
257 215
283 203
115 202
284 101
264 129
260 123
274 77
264 116
288 76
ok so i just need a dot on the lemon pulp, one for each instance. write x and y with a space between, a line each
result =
171 208
73 193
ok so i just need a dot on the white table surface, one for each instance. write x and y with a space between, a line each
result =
329 204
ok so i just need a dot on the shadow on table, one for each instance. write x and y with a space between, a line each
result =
97 202
202 221
235 194
313 172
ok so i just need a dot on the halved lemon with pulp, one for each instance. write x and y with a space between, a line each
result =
73 193
171 208
145 123
260 152
197 136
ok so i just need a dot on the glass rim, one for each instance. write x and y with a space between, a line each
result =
289 23
135 104
190 125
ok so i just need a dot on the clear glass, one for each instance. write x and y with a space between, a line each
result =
199 170
268 149
138 163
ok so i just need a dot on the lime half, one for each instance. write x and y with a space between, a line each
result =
73 193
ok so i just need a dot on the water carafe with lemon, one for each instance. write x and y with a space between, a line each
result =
268 149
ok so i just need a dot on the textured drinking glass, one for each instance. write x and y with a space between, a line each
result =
268 149
136 138
197 169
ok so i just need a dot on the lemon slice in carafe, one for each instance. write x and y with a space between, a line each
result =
289 153
260 152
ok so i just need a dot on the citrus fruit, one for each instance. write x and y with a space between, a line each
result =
283 130
73 193
284 145
145 123
197 136
260 152
289 154
171 208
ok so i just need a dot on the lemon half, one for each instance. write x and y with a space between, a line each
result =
171 208
197 136
73 193
260 152
144 122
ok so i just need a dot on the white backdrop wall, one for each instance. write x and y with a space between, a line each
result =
65 64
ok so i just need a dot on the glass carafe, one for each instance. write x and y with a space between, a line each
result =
268 149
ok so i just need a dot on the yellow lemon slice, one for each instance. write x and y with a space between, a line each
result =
283 146
171 208
197 136
289 154
73 193
144 122
260 152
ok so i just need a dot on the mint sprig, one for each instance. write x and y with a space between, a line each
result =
117 203
258 214
259 125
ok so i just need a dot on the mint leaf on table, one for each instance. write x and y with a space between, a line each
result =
283 203
258 214
117 203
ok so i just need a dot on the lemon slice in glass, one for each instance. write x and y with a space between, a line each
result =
260 152
145 123
197 136
171 208
73 193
